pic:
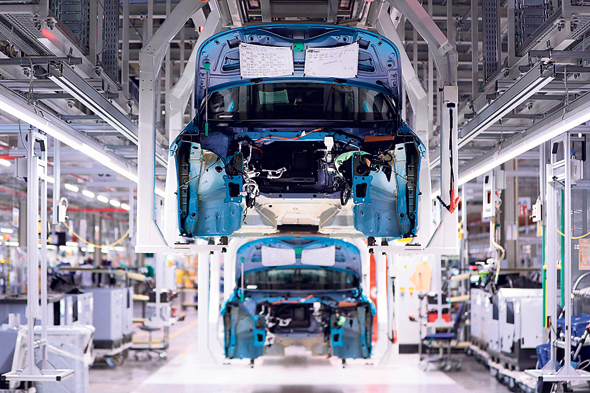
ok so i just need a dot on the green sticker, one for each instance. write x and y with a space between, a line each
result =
298 47
298 250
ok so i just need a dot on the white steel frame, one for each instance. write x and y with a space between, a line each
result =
37 171
559 176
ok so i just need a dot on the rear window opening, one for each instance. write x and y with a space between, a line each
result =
290 279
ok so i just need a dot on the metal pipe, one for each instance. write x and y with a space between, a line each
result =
562 250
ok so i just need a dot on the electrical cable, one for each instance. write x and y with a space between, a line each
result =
96 245
573 237
286 139
454 202
292 301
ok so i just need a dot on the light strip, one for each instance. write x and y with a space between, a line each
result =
13 106
510 152
5 163
125 206
71 187
103 199
88 194
115 203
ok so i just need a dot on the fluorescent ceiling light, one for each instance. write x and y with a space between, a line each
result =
565 123
88 194
71 187
50 179
15 106
103 199
6 230
5 163
115 203
125 206
160 192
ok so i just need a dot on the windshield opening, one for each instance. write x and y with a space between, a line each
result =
300 279
300 101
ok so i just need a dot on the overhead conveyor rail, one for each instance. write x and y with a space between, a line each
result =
528 85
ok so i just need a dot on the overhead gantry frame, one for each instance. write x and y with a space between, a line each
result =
150 237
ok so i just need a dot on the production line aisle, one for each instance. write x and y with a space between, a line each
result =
302 373
298 372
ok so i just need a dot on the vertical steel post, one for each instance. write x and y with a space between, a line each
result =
32 252
474 49
125 50
566 265
44 222
56 179
150 20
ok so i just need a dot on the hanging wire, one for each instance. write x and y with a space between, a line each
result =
96 245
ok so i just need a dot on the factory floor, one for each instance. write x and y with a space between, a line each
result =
297 372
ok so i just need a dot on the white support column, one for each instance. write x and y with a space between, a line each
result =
45 365
57 180
214 305
551 243
204 355
229 266
380 348
436 287
150 62
32 252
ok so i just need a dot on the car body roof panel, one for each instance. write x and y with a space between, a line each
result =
379 59
348 256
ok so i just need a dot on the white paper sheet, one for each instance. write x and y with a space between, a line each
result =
259 61
325 256
339 62
272 256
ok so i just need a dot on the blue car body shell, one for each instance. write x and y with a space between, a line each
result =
211 202
248 314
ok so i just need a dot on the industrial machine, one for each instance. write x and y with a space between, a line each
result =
113 321
303 291
520 331
281 119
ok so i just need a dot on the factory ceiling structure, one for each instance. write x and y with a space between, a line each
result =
106 106
520 67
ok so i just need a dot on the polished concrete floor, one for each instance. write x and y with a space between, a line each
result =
297 372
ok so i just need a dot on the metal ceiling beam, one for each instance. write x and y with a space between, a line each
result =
519 92
578 112
15 106
20 9
70 81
